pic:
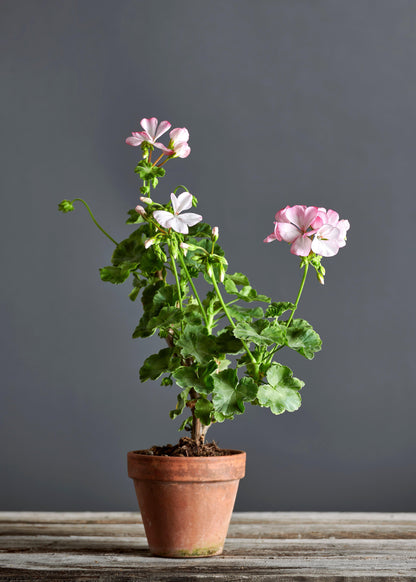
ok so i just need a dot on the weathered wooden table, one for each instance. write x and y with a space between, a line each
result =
260 546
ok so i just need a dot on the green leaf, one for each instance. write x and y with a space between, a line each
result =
227 343
154 298
237 278
203 410
301 336
196 343
186 424
137 285
66 206
147 171
276 309
282 392
166 317
240 313
156 365
134 217
181 403
246 293
230 394
252 332
114 275
192 377
276 332
202 229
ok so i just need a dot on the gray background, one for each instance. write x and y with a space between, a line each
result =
286 102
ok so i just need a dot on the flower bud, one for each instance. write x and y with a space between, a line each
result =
140 210
149 242
185 247
146 200
320 278
215 233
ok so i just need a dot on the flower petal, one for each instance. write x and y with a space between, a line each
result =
325 248
182 150
178 224
301 246
182 202
163 127
179 134
167 151
332 217
163 217
149 125
135 140
286 231
270 238
281 215
190 218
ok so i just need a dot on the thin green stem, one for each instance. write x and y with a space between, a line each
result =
188 276
180 186
302 284
299 294
175 272
94 220
227 313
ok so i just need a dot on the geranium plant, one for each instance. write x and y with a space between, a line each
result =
220 348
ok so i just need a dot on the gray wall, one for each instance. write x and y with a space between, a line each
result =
286 101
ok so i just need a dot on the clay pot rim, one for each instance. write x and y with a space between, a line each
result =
233 453
191 469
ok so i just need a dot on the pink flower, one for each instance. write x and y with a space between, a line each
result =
332 218
310 229
295 225
152 131
178 145
173 220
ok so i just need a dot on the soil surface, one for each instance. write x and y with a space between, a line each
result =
186 447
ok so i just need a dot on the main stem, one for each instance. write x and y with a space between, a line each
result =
198 430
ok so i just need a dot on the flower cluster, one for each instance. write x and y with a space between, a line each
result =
178 145
310 229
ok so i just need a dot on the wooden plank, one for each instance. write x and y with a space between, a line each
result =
243 525
306 546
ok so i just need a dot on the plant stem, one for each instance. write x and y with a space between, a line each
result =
94 221
299 294
175 272
227 313
188 276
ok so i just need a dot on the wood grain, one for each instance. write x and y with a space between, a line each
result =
261 546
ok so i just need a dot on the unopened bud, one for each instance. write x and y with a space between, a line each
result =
185 247
321 278
140 210
215 233
149 242
146 200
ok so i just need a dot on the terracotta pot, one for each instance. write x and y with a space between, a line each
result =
186 502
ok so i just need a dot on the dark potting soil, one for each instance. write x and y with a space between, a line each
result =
186 447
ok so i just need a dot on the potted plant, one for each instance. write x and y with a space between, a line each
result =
219 349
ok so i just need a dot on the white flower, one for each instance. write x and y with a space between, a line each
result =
173 220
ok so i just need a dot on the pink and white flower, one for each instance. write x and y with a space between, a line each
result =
309 228
152 131
173 220
295 225
178 145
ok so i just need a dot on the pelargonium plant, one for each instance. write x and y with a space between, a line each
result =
221 347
